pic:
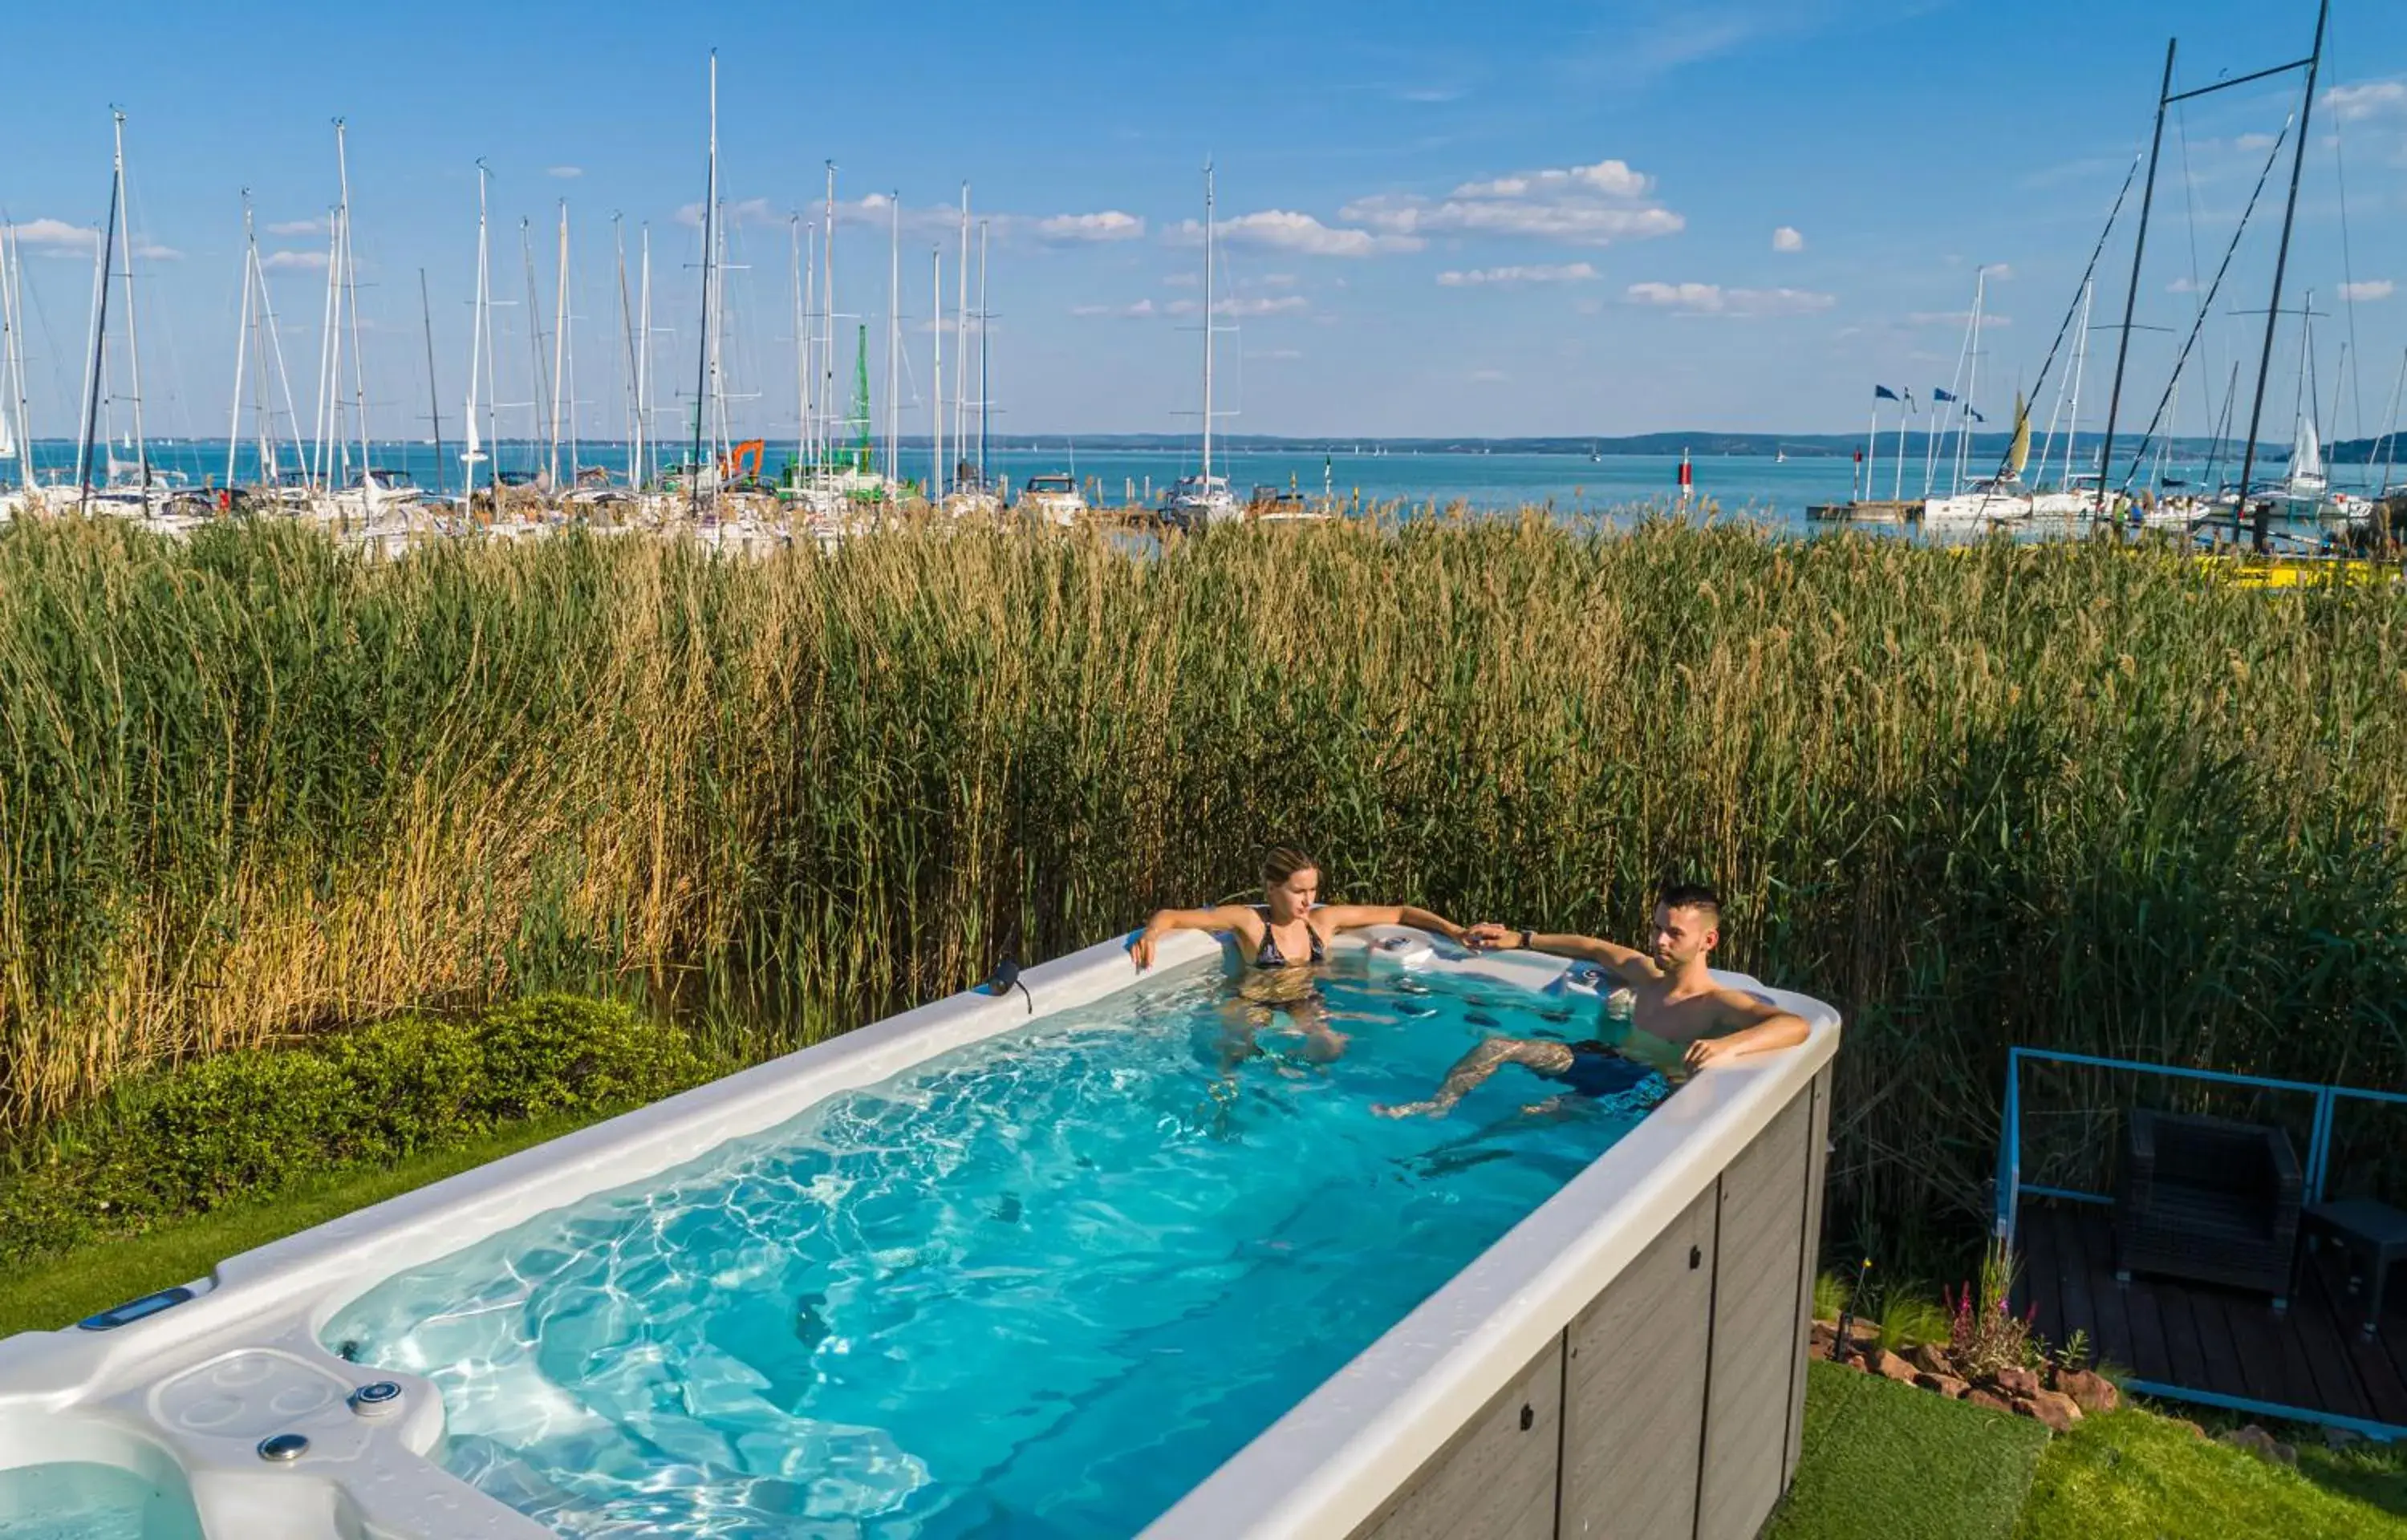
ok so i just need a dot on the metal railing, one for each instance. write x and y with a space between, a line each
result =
2011 1186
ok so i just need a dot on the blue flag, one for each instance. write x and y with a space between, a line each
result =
1937 394
1882 392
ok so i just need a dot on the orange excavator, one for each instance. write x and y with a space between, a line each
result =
731 464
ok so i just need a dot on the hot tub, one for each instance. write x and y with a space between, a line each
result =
1103 1255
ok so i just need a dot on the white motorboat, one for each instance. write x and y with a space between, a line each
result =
1198 501
1053 498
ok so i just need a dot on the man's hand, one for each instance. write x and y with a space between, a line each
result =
1488 936
1412 1108
1704 1050
1141 949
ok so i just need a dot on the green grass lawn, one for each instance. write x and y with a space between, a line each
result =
1885 1460
2134 1473
65 1289
1888 1461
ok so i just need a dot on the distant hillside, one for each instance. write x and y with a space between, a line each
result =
1985 445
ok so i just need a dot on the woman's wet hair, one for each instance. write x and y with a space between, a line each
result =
1281 862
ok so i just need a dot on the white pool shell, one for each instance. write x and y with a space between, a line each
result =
1403 1434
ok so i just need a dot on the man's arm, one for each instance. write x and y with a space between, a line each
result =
1627 963
1748 1025
1472 1071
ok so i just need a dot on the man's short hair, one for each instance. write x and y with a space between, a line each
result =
1691 896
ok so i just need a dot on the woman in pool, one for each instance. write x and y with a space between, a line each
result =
1282 939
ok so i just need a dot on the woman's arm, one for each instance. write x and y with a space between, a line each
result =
1234 917
1336 917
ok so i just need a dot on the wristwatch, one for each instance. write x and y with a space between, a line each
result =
1529 938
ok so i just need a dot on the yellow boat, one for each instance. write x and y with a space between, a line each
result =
2299 572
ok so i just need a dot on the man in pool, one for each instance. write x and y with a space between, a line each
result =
1680 1019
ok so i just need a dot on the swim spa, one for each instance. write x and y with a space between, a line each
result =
1070 1261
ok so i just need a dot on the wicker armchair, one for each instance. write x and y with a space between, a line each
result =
2207 1199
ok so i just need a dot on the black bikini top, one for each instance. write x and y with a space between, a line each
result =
1270 956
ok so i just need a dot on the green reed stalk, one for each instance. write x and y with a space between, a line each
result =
2073 795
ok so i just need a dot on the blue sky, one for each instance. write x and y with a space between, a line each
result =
1514 218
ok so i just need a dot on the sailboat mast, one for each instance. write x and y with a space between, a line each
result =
434 396
936 376
478 329
2080 362
2264 521
1207 327
13 378
803 350
985 406
701 354
352 298
644 362
961 335
538 387
99 337
827 304
626 340
559 340
894 335
330 343
241 339
133 338
1971 378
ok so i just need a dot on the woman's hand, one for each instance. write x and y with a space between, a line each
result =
1141 949
1490 936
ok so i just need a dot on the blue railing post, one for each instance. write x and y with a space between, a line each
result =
2010 1151
2319 1145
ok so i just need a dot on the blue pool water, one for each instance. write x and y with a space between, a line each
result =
80 1499
1038 1286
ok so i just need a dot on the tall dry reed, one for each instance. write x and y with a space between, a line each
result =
2067 795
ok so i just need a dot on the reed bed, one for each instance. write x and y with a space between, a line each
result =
2067 795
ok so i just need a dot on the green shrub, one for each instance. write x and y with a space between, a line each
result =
251 1122
557 1055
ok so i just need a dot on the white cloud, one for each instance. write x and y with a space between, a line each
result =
2366 288
1110 224
2252 143
1282 353
1138 311
2179 286
302 227
741 212
565 172
1592 204
1285 304
1610 178
57 235
1787 238
1488 376
1541 272
1284 229
280 261
1956 318
2375 99
1711 299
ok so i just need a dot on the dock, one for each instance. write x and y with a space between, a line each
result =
2217 1346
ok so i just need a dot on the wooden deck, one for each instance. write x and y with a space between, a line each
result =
2314 1356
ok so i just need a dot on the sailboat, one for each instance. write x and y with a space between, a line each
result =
1997 499
1203 498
